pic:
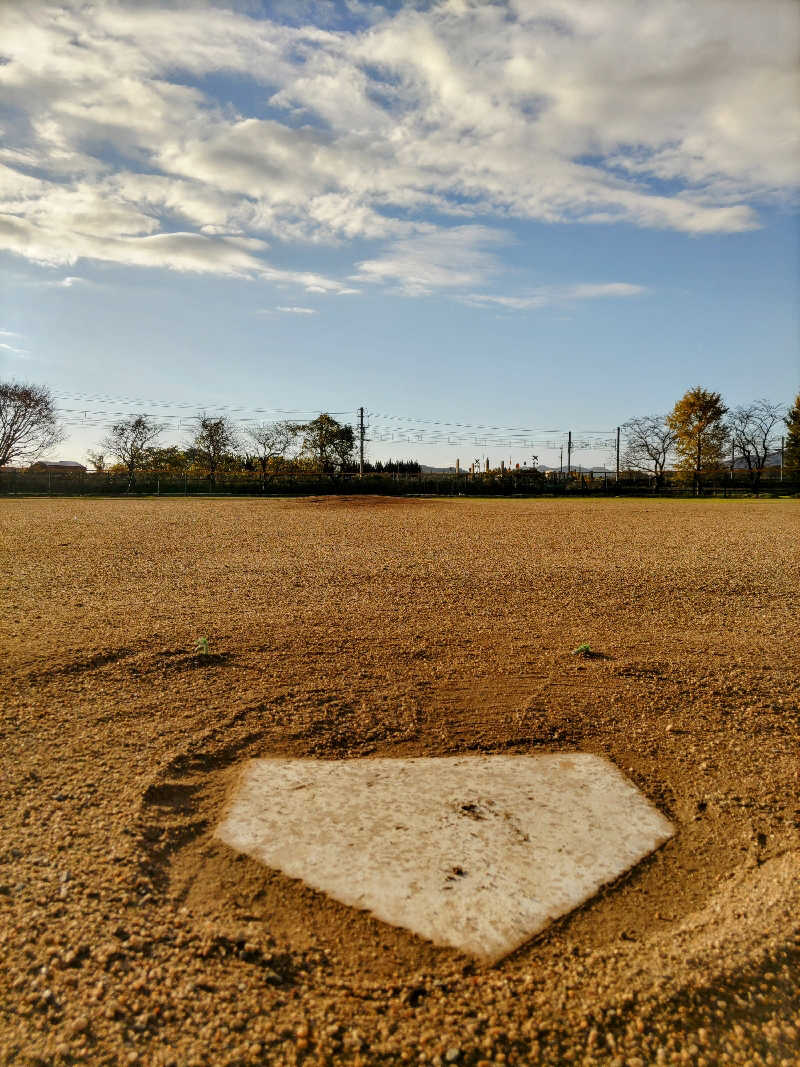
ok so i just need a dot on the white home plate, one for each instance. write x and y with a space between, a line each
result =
475 852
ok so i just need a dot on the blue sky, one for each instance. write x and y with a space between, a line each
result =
530 215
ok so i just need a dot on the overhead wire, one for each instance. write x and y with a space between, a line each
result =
385 427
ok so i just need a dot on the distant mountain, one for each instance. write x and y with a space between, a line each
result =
773 460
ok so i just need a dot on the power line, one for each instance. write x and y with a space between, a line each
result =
489 429
481 426
386 428
399 437
136 402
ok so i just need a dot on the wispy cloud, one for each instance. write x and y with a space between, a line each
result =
13 349
549 295
297 310
455 258
70 281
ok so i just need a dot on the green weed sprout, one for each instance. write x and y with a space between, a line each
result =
582 650
201 648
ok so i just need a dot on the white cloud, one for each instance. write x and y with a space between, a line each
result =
57 245
442 259
13 349
549 295
297 310
69 281
666 114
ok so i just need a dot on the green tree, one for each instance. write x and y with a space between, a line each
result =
791 449
698 422
129 441
328 444
168 460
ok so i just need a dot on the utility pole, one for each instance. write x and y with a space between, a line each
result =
569 453
618 453
781 475
561 461
361 442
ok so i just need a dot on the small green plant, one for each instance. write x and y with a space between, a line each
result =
582 650
201 648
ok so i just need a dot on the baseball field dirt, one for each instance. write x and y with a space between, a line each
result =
369 627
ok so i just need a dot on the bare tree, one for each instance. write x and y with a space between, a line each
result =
129 441
649 442
752 429
28 422
97 460
272 442
215 439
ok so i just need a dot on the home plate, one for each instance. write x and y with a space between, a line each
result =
476 852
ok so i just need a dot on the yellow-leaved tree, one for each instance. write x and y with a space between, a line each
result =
698 422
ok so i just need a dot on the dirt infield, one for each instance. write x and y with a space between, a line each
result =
400 628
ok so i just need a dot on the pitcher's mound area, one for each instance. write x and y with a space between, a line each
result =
478 852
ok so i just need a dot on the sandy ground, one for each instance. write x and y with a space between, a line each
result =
390 627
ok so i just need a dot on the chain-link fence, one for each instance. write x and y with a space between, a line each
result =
508 483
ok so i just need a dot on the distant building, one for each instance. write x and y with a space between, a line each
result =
63 466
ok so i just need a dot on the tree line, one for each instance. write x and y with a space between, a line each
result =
701 437
218 445
698 440
29 427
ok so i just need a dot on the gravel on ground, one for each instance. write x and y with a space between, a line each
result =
385 627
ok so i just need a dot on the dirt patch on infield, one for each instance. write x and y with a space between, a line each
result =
368 627
368 500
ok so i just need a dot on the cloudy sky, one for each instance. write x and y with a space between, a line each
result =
525 214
